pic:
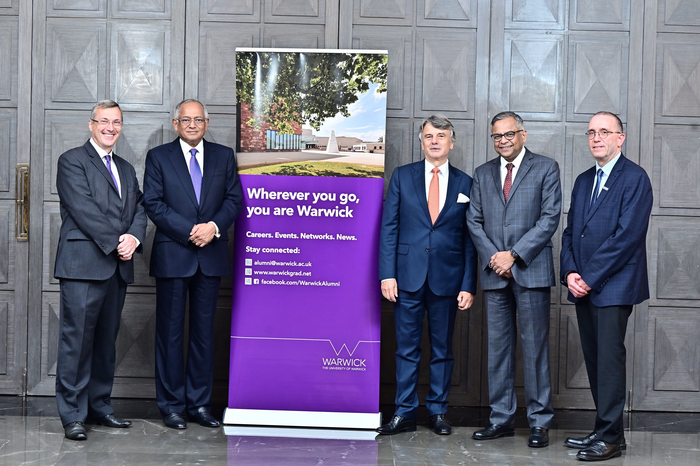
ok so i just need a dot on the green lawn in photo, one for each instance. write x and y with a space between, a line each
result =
356 170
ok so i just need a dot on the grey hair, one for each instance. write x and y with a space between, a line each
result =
105 104
439 122
504 115
176 113
619 122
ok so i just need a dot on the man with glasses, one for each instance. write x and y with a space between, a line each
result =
604 265
193 195
427 263
103 225
515 210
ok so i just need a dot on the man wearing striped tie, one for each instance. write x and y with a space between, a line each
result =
427 263
516 204
193 195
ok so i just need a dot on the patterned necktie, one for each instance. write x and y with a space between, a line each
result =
434 196
195 174
109 169
596 190
508 182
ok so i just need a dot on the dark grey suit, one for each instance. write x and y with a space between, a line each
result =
93 278
525 224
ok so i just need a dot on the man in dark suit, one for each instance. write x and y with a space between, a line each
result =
103 224
604 265
426 262
515 210
193 195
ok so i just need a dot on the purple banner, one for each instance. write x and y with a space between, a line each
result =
305 332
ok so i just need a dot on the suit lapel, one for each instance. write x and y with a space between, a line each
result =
609 183
524 167
100 165
123 180
452 192
418 173
496 172
177 159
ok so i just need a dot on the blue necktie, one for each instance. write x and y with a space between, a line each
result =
195 174
109 169
596 190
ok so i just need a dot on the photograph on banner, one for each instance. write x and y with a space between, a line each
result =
306 317
311 114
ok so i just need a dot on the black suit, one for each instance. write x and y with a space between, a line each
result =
93 278
181 268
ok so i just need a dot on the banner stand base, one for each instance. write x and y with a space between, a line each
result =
263 417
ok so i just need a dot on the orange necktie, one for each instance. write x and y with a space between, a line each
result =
434 196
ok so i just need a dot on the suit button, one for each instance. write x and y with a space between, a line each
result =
582 235
506 224
432 229
427 249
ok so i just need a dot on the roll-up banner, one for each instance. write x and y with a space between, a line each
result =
305 330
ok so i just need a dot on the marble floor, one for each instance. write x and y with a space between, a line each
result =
31 434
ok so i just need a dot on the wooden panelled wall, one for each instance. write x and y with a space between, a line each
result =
556 62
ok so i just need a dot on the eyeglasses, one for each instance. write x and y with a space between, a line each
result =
603 133
105 123
509 135
188 121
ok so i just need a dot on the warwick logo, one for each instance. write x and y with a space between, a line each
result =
344 364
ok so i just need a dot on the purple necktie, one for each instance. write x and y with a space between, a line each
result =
109 169
195 174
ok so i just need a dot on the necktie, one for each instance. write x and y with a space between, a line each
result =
109 169
434 196
596 190
508 183
195 174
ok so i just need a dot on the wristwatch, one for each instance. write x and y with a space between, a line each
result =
514 254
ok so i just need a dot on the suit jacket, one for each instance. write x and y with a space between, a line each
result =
172 206
411 248
94 216
525 224
606 244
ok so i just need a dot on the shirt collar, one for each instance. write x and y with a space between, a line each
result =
100 151
608 167
443 168
186 147
518 160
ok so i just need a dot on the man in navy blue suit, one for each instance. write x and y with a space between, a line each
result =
426 262
604 265
193 195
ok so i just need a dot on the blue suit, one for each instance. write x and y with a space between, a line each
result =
431 264
606 245
525 224
180 267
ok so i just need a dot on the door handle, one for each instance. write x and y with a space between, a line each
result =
22 201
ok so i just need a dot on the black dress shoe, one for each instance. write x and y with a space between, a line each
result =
539 437
204 418
111 420
494 431
584 442
600 451
75 431
175 421
396 425
440 425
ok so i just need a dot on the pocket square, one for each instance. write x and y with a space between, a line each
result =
462 199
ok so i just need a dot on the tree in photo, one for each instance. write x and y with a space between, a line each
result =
281 88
